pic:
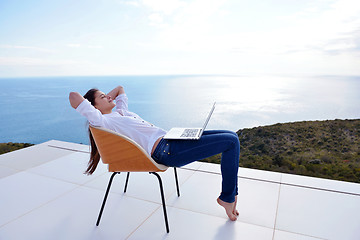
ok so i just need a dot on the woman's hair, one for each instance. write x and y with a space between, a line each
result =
90 95
94 156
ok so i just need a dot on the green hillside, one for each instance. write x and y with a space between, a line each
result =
326 149
8 147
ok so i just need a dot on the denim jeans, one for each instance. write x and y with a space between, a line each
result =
177 153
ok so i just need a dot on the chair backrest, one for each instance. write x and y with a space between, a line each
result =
122 154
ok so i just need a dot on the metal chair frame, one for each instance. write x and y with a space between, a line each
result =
126 184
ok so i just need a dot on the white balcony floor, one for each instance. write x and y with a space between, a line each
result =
44 195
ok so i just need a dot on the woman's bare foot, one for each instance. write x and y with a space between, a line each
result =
229 208
235 212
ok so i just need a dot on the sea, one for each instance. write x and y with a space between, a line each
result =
37 109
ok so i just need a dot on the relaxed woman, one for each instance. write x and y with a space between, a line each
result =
98 107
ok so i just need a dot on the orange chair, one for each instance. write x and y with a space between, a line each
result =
122 154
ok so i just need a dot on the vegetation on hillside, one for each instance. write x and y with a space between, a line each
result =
326 149
9 147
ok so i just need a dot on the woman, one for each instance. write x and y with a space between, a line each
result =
97 107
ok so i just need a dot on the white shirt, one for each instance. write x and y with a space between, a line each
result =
124 122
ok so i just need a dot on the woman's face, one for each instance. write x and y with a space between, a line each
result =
103 102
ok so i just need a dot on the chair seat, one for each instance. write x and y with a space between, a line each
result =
122 154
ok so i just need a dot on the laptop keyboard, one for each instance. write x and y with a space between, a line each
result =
189 133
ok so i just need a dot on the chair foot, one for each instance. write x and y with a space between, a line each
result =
127 180
105 197
177 182
163 200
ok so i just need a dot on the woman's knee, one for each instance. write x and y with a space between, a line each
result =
233 138
231 132
232 135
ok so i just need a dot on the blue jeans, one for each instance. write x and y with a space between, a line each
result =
177 153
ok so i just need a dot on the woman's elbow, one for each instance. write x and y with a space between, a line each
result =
120 90
75 99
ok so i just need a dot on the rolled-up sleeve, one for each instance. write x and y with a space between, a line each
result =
122 106
121 102
93 115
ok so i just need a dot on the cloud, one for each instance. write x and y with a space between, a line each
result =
206 36
73 45
159 10
27 61
325 30
157 20
95 46
189 27
27 67
323 27
39 49
77 45
331 30
163 6
130 2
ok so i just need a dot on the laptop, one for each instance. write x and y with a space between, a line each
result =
189 133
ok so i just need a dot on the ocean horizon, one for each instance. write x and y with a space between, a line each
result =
36 109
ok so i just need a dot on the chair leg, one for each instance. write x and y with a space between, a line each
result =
105 197
177 182
127 180
163 200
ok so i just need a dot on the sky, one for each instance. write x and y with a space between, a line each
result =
171 37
